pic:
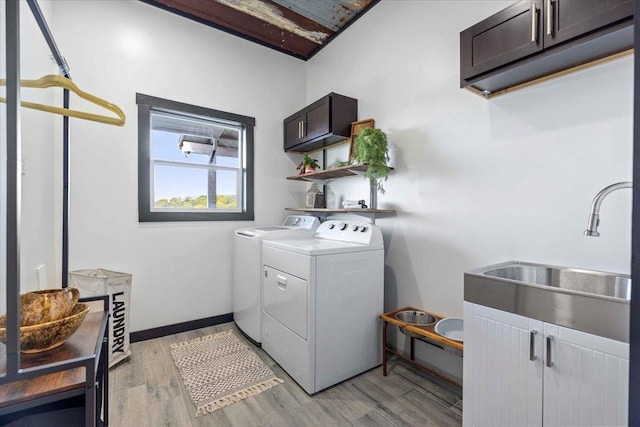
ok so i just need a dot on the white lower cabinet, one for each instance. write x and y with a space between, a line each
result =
502 386
523 372
588 381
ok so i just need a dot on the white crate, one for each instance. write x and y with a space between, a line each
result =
98 282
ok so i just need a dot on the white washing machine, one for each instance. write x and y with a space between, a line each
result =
321 300
247 268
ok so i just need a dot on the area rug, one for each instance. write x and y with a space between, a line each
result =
219 370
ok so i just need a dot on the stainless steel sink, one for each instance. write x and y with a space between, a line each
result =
591 301
571 279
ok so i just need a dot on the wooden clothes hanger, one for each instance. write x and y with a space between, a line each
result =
59 81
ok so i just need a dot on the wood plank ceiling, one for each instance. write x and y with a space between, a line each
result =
299 28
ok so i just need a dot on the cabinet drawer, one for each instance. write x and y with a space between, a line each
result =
286 299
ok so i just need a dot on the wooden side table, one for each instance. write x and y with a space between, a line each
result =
75 369
429 334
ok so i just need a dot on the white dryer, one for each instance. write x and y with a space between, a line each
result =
321 300
247 268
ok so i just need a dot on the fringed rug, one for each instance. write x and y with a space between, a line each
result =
219 370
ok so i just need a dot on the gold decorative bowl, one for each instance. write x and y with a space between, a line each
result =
49 335
47 305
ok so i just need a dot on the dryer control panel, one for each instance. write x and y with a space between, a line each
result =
349 231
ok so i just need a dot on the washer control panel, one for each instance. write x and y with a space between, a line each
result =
349 231
305 222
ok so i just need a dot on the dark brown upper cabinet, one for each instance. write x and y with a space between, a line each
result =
537 38
507 36
565 20
323 123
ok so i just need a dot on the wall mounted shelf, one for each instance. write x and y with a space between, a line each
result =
323 176
326 175
369 213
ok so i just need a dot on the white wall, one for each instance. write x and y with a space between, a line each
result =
39 215
181 271
479 181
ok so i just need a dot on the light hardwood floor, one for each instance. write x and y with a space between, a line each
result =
146 390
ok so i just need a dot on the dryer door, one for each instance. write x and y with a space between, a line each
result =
286 299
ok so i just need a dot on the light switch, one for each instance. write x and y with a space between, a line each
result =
41 272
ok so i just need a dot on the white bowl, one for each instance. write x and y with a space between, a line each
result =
450 327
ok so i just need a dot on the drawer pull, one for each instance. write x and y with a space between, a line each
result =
532 345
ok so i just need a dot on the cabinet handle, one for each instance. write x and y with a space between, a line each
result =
299 130
532 345
302 136
534 23
549 10
549 340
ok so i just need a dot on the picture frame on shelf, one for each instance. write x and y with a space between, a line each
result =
356 128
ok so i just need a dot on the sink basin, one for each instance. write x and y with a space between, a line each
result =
591 282
576 298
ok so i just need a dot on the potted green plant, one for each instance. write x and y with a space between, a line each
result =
307 165
371 148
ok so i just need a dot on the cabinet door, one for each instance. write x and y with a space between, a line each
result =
509 35
587 382
568 19
502 368
317 121
292 131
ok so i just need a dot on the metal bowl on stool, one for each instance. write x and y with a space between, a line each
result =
414 318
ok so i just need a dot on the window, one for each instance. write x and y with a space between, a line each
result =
194 163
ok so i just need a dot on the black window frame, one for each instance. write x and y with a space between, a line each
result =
146 104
